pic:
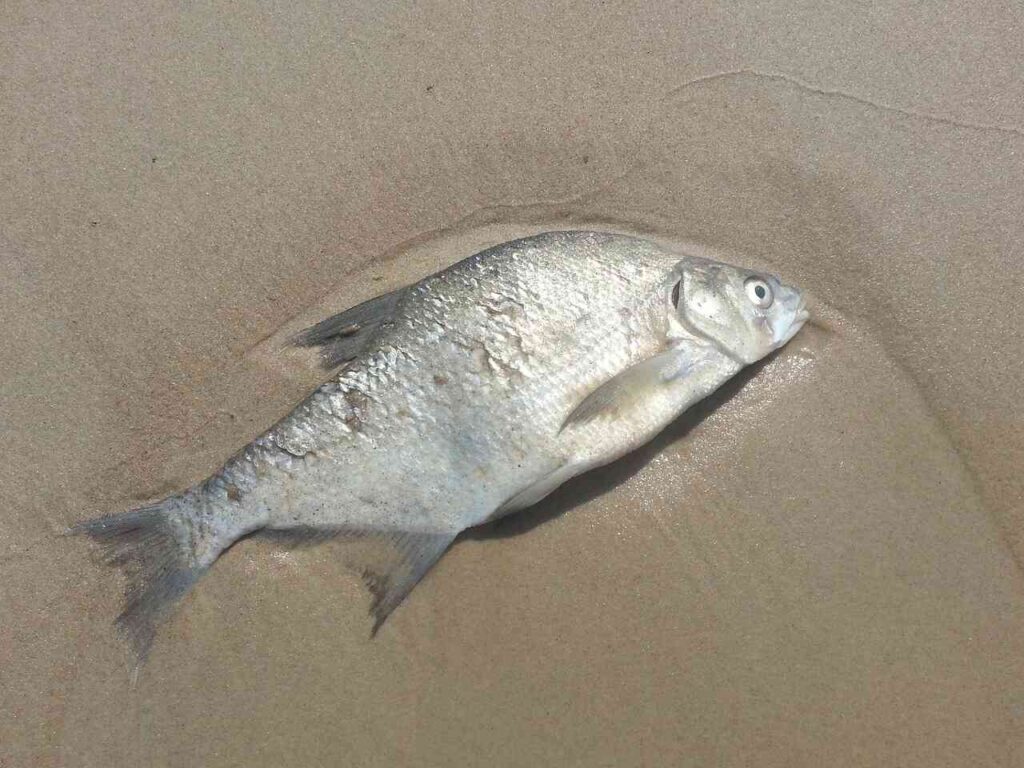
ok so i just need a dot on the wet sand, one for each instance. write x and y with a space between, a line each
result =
821 565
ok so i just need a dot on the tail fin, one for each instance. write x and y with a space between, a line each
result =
153 546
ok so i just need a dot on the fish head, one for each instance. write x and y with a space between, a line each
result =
746 314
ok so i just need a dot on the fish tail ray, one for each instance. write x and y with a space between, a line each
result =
153 547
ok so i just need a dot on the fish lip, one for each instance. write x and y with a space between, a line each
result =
801 314
799 318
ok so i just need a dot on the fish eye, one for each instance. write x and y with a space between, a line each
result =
759 292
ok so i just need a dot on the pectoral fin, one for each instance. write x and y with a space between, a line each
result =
343 336
628 389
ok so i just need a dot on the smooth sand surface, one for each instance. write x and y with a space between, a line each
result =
820 566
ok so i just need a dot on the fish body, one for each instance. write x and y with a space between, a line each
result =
469 395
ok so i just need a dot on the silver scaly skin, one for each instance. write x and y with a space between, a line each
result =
464 397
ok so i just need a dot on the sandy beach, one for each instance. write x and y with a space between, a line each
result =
821 565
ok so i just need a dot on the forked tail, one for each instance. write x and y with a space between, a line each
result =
154 546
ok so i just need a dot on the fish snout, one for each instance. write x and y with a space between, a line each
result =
795 312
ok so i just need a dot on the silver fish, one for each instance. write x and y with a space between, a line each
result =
465 397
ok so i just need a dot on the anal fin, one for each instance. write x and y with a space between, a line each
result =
303 536
417 553
390 579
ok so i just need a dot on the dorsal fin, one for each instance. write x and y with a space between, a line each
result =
343 336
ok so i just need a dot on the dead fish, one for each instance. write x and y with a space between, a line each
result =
462 398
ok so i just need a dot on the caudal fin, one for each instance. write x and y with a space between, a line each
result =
153 546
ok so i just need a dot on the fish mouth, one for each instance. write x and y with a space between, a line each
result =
800 316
